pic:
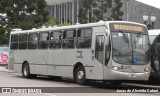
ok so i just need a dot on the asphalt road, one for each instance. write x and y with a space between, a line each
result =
44 86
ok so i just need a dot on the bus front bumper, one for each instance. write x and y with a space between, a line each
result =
116 75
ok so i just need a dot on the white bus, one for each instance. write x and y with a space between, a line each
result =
107 51
154 36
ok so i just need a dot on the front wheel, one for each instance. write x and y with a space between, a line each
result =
80 75
26 71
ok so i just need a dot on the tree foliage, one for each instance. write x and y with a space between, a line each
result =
24 14
53 22
95 10
116 12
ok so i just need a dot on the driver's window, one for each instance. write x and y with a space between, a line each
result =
99 49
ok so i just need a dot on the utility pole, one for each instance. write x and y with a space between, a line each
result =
127 10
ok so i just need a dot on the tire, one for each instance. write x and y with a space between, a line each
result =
80 75
26 71
154 67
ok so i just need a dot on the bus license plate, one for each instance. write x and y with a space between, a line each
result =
131 75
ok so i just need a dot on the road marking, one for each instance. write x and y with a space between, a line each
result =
48 94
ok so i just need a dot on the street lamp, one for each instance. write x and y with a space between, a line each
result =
152 20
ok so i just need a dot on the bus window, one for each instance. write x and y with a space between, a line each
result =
68 39
32 42
23 41
55 40
14 42
43 40
99 48
84 38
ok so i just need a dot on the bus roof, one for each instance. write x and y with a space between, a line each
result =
154 32
100 23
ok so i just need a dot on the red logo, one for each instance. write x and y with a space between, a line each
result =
4 57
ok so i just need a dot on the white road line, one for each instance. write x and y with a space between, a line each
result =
48 94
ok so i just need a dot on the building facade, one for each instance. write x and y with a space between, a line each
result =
67 11
64 10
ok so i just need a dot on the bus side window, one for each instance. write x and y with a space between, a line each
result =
84 38
33 41
14 42
23 38
68 40
43 40
55 40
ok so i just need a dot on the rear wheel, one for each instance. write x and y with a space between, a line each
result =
26 71
80 75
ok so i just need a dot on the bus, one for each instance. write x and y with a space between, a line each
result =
114 51
154 36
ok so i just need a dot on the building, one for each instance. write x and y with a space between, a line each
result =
64 10
67 11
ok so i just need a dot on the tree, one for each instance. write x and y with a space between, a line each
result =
116 12
85 11
24 14
101 9
95 10
53 22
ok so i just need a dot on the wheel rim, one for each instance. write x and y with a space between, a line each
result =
80 74
25 71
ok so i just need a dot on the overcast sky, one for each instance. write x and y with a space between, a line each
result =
155 3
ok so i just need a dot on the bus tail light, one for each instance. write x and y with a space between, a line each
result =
115 68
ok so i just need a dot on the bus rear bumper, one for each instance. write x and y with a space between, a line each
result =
116 75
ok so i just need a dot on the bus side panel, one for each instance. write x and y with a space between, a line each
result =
87 60
97 72
69 61
108 70
55 59
38 61
18 58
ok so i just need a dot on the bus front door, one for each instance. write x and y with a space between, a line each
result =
99 54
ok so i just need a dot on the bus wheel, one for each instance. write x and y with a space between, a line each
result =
80 75
26 71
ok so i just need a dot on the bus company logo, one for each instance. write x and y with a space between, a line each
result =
6 90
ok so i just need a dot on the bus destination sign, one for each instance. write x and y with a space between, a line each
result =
127 27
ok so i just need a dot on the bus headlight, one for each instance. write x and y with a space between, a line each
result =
147 69
115 68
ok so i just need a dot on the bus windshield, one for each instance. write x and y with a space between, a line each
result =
130 48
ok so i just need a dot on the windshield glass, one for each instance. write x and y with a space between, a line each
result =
130 48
